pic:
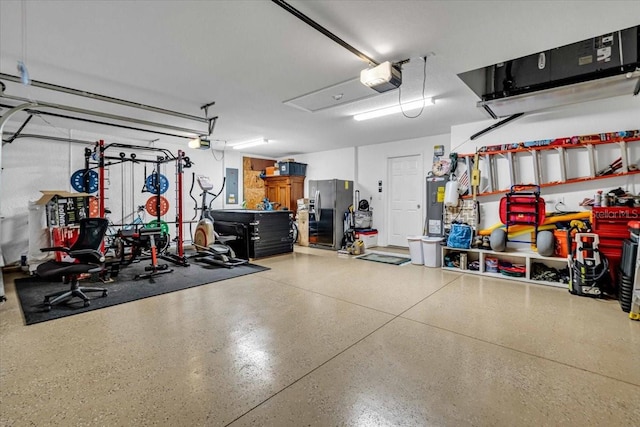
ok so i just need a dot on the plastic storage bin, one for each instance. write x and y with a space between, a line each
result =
431 251
292 168
562 244
415 249
369 237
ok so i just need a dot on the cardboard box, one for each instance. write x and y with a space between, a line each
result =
303 228
64 208
303 204
66 237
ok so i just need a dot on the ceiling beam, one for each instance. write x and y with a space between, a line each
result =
304 18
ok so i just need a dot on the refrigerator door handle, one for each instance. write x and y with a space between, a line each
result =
317 205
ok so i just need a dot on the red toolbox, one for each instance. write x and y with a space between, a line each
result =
611 224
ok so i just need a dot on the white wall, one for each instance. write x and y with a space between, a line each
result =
332 164
372 167
30 165
366 165
610 115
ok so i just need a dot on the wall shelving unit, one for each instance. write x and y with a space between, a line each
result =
526 258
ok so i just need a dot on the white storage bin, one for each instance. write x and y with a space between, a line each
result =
415 249
431 251
370 238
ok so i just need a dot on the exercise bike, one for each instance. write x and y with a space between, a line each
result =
211 247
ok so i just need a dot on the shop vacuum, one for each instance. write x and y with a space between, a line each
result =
588 267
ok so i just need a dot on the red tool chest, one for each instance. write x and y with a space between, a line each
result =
611 224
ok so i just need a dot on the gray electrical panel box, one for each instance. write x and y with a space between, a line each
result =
232 186
435 205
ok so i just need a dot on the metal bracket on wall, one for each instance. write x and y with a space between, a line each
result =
495 125
17 133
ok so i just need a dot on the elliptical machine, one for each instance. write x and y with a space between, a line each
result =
210 247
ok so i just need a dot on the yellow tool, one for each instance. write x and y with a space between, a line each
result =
356 248
475 175
634 313
579 225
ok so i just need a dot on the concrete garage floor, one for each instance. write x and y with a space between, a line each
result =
321 340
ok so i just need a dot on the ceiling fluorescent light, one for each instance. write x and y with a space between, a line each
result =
407 106
251 143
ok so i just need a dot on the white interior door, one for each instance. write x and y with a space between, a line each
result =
405 198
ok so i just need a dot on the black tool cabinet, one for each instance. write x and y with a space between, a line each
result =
261 233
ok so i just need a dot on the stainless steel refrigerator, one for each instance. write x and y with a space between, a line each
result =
328 201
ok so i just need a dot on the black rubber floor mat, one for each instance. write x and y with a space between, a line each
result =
124 288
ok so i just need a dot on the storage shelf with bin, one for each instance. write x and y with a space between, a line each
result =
286 186
525 258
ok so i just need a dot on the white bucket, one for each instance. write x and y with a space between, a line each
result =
415 249
431 251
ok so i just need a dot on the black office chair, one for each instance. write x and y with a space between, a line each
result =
90 260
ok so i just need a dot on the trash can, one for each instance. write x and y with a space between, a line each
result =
431 251
415 249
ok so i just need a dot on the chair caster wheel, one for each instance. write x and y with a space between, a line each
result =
87 303
104 294
47 307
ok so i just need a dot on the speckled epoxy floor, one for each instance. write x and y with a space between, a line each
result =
322 340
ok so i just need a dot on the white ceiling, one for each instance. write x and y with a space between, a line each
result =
251 56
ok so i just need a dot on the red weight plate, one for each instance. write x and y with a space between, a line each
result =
94 207
151 206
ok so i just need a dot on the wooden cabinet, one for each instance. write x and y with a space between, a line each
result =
284 190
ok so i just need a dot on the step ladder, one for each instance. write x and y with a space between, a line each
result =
489 157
